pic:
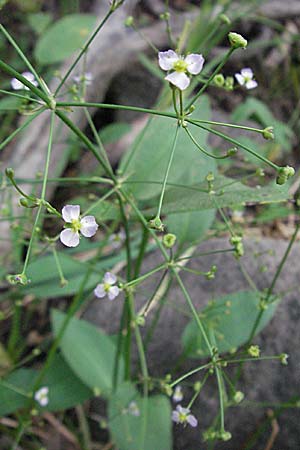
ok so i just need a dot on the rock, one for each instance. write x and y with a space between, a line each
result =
266 381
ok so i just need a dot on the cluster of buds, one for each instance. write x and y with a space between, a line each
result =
237 243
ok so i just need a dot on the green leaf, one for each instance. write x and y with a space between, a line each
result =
65 389
63 38
89 352
146 162
39 21
10 103
148 431
228 193
114 131
231 319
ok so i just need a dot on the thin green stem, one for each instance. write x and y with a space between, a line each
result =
189 374
83 51
146 275
23 57
201 148
20 128
43 194
23 97
118 107
229 125
238 144
167 172
207 83
143 246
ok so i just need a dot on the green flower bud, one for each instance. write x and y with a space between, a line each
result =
165 16
225 19
229 82
254 351
219 80
268 133
24 202
156 224
259 172
129 21
36 352
20 278
225 435
9 172
236 241
169 240
238 397
140 321
232 151
96 391
237 41
284 173
283 358
197 386
210 177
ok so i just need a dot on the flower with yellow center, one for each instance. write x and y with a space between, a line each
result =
87 226
107 288
183 416
180 67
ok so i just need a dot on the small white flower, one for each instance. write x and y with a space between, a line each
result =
117 239
183 416
181 67
245 78
133 409
17 85
107 287
178 395
86 78
41 396
87 226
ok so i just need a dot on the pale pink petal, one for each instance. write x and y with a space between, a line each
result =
43 401
167 59
99 291
109 278
175 416
89 226
70 212
178 395
247 72
194 63
192 420
113 292
251 84
69 237
240 79
16 84
179 79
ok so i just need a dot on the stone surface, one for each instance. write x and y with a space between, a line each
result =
267 381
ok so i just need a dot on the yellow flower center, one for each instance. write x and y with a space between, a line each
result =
76 225
180 66
182 417
107 287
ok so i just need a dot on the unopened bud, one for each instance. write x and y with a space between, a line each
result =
237 40
283 358
129 21
268 133
284 173
225 19
229 82
9 172
219 80
238 397
156 224
169 240
254 351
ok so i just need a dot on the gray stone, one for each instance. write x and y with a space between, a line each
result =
267 381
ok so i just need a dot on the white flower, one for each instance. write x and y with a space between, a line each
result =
178 395
117 239
183 416
245 78
107 287
41 396
192 64
17 85
87 78
87 226
133 409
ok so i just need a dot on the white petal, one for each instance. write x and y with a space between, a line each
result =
167 59
113 292
16 84
195 63
247 72
251 84
175 416
240 79
43 401
179 79
109 278
99 291
70 212
69 237
30 77
192 420
89 226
